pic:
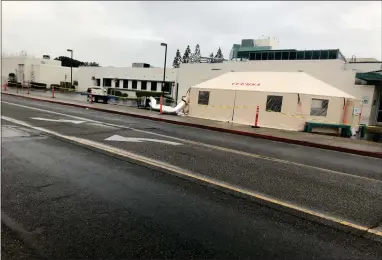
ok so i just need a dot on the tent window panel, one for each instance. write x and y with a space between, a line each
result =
274 103
319 107
204 97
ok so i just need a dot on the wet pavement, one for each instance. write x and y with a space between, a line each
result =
76 203
355 195
79 203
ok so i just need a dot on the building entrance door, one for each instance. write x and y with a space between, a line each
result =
379 109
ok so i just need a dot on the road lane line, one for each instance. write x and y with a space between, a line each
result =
257 156
220 184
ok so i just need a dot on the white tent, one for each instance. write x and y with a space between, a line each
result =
286 100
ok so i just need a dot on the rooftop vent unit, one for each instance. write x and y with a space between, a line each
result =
140 65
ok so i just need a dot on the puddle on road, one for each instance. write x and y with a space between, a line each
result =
12 132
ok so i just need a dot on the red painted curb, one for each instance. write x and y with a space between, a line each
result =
268 137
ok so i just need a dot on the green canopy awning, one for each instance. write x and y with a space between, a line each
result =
369 76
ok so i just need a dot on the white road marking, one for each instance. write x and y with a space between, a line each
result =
180 171
257 156
119 138
58 120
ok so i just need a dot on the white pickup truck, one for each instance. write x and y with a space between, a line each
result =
97 94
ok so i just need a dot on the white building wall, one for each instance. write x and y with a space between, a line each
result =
35 69
267 42
85 74
362 92
10 65
363 67
49 74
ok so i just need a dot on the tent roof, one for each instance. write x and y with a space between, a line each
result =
280 82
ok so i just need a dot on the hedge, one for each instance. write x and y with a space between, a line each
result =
141 93
38 85
67 85
14 84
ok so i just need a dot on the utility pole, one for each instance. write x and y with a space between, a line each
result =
71 67
164 67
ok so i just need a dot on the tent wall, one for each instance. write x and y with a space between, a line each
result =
220 106
245 110
240 107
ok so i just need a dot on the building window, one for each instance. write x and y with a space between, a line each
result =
333 54
154 86
98 82
300 55
134 84
325 55
258 56
107 82
274 103
308 55
143 85
278 55
204 97
319 107
316 55
293 55
285 55
125 84
167 87
117 83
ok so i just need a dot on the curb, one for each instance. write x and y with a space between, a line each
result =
237 132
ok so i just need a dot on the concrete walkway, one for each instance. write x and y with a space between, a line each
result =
360 147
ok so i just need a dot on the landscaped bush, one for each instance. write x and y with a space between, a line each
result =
67 85
14 84
118 93
56 86
38 85
141 93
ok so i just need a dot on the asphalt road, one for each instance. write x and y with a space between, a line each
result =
78 203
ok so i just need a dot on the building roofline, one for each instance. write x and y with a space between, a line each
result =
365 61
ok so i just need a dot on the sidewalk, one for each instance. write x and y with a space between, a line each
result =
360 147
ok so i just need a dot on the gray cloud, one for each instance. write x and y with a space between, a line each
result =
119 33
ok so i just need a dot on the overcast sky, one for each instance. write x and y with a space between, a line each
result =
119 33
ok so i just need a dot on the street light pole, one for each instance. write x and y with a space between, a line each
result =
71 67
164 67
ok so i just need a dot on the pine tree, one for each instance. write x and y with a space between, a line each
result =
219 54
195 57
177 59
186 55
211 60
